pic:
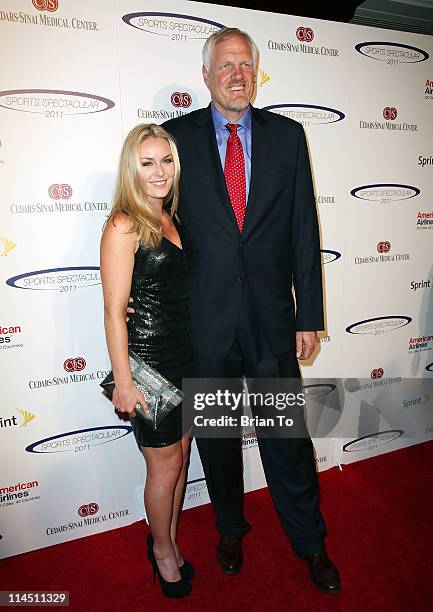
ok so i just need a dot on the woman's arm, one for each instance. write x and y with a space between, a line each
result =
117 262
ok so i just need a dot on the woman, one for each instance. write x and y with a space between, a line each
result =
142 257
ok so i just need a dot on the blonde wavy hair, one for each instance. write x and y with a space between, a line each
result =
130 197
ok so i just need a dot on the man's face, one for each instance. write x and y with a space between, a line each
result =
230 77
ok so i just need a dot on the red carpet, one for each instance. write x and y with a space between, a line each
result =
379 514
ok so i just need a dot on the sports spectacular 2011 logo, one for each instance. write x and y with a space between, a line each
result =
172 26
391 53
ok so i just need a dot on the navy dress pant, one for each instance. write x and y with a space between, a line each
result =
288 462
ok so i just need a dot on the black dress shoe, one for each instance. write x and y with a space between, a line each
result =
323 572
229 554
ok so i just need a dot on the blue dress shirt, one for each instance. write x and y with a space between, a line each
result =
244 133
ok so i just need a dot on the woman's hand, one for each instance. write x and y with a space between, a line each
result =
126 398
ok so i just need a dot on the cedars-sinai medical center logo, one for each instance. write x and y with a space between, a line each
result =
181 99
307 114
391 53
54 103
46 15
173 26
46 5
389 114
74 367
302 39
74 364
60 202
88 509
376 373
382 255
304 34
383 247
58 191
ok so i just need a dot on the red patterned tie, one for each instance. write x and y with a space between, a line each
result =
234 172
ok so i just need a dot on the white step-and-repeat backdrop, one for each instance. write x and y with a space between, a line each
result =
75 77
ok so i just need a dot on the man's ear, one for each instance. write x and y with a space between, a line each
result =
205 74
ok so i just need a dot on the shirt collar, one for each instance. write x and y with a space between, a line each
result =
220 121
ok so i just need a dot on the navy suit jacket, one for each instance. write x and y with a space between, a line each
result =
278 248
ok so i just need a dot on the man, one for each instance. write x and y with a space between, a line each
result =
248 214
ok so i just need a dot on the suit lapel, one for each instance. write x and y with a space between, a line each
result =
259 153
208 156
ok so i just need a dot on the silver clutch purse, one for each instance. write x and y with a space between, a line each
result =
160 394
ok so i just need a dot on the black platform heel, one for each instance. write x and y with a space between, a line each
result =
174 590
186 570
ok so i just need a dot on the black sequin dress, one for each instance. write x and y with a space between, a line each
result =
159 330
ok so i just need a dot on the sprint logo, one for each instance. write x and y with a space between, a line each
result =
263 77
13 421
6 245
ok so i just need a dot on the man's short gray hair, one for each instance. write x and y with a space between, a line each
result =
222 35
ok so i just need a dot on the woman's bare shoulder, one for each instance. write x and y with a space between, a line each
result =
120 222
119 231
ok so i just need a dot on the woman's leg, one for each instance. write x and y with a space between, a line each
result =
164 466
179 493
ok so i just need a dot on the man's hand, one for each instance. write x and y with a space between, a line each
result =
306 342
129 310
